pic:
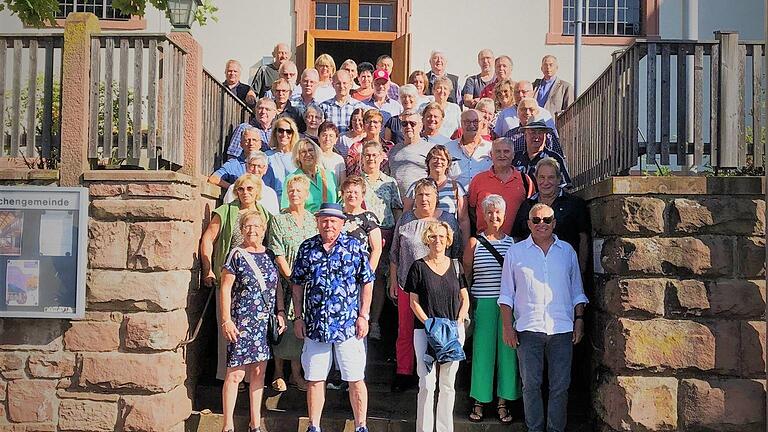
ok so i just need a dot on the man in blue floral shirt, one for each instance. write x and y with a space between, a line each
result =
333 280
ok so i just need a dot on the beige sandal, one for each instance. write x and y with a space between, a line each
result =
279 385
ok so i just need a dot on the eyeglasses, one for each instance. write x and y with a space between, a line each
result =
471 122
250 226
405 123
547 220
245 188
285 131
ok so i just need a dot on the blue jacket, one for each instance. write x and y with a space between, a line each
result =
443 340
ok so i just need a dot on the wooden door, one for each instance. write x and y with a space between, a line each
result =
309 50
400 55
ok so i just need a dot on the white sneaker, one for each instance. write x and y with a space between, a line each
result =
374 333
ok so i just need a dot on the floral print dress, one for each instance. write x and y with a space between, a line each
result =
251 308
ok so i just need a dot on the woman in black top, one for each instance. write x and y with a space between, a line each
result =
437 290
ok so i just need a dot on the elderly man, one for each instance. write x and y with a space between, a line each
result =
541 286
500 179
267 74
432 118
502 70
508 118
350 66
551 92
437 64
476 83
338 110
250 142
385 62
536 150
309 79
380 99
407 161
258 165
332 278
528 111
266 111
243 91
281 88
289 72
471 153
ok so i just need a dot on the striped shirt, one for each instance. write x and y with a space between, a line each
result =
486 271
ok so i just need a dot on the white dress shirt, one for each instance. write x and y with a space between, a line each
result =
508 120
542 290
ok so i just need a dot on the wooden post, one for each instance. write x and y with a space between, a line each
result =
192 102
729 99
75 101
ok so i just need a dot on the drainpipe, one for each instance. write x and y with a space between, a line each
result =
690 32
577 48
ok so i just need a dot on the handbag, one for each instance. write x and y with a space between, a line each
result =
273 328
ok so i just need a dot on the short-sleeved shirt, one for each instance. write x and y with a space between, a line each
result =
517 137
235 167
381 197
571 214
465 166
523 163
448 195
360 226
332 281
390 108
474 86
324 93
235 149
514 190
334 162
436 139
452 119
439 294
340 113
408 163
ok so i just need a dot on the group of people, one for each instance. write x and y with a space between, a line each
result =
346 189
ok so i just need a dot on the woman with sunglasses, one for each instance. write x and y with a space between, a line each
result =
222 234
284 136
373 121
451 194
355 133
322 183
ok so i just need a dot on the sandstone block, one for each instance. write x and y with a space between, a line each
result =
629 215
718 215
3 388
156 331
92 336
31 334
751 256
162 245
104 316
752 353
104 190
40 427
690 297
737 297
134 291
88 396
728 405
155 373
167 190
31 400
12 362
54 365
125 210
643 297
707 255
638 403
157 413
107 244
87 416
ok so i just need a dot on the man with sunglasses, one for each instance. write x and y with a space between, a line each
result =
407 161
541 287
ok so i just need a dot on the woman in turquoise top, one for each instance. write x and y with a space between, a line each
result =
322 183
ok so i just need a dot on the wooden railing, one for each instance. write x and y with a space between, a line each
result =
222 113
635 116
29 109
136 100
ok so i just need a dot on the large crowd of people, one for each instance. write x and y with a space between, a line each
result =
345 189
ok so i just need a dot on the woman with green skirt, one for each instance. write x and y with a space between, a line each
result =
483 262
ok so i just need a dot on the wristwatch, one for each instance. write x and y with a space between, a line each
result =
366 317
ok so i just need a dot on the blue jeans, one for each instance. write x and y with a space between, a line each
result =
558 350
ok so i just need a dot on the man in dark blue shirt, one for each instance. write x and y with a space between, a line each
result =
536 150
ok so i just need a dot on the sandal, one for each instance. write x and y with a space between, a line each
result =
504 416
279 385
476 415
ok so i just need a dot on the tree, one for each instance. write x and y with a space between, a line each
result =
40 13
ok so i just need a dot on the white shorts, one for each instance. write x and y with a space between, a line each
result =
317 359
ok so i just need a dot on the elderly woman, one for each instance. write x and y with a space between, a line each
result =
451 194
286 232
222 234
284 136
326 67
421 82
258 164
322 183
331 161
313 118
432 120
406 248
355 133
438 297
487 108
373 120
483 262
393 130
365 77
350 66
442 90
249 291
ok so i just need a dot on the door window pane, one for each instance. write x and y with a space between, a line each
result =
377 17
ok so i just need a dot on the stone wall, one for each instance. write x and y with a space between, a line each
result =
680 299
120 368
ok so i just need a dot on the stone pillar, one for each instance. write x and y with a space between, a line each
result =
75 106
193 101
680 300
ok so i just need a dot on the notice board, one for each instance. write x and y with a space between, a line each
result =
43 251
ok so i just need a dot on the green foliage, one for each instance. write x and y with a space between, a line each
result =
41 13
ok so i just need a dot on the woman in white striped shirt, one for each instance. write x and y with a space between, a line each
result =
483 261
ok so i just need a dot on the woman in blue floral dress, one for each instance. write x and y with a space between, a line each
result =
248 296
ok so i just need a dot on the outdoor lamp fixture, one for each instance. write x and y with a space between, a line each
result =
182 13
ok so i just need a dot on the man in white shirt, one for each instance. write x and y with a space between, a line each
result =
471 153
257 164
508 118
541 285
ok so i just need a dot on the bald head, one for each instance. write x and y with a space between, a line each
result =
281 53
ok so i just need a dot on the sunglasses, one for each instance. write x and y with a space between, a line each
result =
405 123
285 131
547 220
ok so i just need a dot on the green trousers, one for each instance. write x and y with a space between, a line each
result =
490 354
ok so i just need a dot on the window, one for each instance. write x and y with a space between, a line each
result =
603 17
101 8
377 17
331 16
